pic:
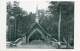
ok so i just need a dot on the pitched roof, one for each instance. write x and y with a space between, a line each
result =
39 27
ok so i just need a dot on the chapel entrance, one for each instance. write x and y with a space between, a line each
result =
36 35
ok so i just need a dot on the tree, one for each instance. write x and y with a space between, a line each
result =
65 13
21 22
14 21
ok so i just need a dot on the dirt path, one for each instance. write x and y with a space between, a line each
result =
36 44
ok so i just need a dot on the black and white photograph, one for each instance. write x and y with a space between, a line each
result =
39 24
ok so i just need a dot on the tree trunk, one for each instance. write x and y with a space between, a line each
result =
59 25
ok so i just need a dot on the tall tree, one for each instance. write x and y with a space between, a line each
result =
15 16
18 21
65 13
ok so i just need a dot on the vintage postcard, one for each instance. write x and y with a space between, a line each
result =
40 24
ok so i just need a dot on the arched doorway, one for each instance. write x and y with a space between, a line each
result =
36 34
